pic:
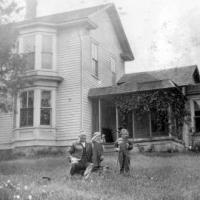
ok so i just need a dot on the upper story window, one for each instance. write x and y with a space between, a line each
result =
29 50
39 50
45 110
95 64
113 69
26 108
113 65
47 51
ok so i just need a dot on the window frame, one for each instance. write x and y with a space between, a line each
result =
44 52
27 109
46 107
26 53
95 59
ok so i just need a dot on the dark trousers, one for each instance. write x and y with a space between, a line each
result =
124 162
79 168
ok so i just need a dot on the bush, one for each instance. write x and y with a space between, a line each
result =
196 147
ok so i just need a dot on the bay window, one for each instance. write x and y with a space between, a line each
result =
26 108
45 110
47 52
39 50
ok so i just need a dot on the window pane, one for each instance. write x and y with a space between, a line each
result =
30 117
29 43
95 67
94 51
47 43
113 65
30 99
23 118
46 99
26 111
45 116
47 60
30 60
23 99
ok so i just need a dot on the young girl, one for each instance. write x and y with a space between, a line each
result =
123 146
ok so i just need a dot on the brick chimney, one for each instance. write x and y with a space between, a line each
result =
31 9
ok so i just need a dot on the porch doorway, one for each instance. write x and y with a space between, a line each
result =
104 119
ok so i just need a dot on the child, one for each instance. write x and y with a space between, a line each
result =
97 151
123 146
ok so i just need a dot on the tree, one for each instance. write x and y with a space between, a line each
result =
12 65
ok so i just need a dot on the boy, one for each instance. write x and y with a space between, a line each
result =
123 146
97 151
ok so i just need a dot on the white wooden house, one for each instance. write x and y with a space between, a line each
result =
77 63
67 54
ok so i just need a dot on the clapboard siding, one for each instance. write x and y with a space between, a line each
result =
6 124
108 46
68 92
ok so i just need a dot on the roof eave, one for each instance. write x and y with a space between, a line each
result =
112 12
82 22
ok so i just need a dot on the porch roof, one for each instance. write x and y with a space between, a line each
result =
131 88
151 80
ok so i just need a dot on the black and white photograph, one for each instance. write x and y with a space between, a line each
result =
99 100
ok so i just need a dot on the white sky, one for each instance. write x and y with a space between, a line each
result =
162 33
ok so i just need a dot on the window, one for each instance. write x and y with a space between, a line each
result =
95 66
29 50
45 110
26 108
113 70
47 52
197 115
113 65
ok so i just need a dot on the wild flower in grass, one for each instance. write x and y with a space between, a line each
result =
30 197
16 196
25 187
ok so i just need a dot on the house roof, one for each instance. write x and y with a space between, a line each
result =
179 75
66 16
85 15
152 80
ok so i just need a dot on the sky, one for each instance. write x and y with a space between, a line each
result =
161 33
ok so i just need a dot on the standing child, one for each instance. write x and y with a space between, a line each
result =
123 146
97 151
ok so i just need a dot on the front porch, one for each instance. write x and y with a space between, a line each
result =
144 128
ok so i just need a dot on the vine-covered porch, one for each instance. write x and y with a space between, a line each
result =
148 115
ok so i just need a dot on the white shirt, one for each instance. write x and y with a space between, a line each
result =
83 143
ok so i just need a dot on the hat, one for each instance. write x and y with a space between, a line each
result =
96 135
82 133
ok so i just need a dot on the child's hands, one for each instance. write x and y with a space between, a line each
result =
117 149
127 145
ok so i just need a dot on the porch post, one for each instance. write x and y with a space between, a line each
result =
99 105
117 122
170 120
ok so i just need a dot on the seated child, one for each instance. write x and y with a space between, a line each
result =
123 146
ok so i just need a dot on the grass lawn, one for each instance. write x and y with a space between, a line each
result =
153 176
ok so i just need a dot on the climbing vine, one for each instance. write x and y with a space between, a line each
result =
158 101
